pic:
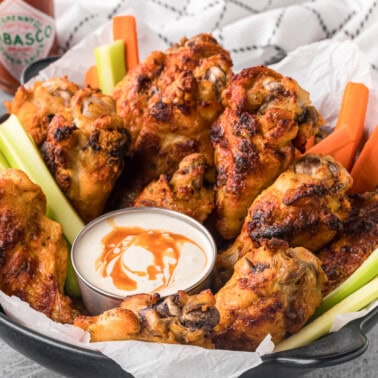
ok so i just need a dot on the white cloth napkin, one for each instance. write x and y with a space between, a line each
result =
255 32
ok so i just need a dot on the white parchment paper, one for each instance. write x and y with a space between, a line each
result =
322 68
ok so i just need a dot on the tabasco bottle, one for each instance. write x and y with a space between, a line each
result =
27 33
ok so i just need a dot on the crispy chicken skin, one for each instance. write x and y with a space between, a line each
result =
267 118
169 102
354 243
85 150
274 290
35 106
305 206
185 191
179 318
33 251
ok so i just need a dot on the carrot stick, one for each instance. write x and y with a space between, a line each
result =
336 144
310 142
349 128
124 27
365 169
91 77
353 106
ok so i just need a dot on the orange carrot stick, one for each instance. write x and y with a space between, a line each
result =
353 106
124 27
310 142
335 144
91 77
349 128
365 169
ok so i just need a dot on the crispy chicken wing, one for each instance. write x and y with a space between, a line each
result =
35 106
179 318
85 150
33 251
184 192
354 243
168 103
274 290
266 118
305 206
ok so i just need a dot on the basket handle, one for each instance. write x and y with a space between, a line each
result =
348 343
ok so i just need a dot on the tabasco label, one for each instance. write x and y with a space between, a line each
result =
26 35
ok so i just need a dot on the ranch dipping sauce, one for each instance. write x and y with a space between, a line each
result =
141 250
138 260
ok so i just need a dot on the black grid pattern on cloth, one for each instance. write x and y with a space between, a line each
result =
251 9
273 52
364 20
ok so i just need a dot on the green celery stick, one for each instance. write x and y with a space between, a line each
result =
322 324
362 275
22 153
72 285
3 162
110 62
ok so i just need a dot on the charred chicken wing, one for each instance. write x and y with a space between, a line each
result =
305 206
354 243
185 192
33 252
266 118
274 290
85 150
35 106
179 318
169 102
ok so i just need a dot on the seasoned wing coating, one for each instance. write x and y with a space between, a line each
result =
168 103
274 290
33 251
305 206
35 106
354 243
185 192
266 118
85 150
179 318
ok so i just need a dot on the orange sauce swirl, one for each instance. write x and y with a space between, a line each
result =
164 246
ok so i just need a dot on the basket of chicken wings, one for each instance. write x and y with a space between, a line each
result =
245 155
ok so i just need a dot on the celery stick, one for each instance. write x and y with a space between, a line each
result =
322 324
367 270
110 62
3 162
71 284
21 152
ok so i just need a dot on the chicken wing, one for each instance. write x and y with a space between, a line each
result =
354 243
185 192
179 318
33 251
274 290
169 102
85 150
266 118
35 106
305 206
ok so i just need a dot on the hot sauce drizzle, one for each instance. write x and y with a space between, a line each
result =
164 246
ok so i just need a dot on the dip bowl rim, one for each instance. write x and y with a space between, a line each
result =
211 252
